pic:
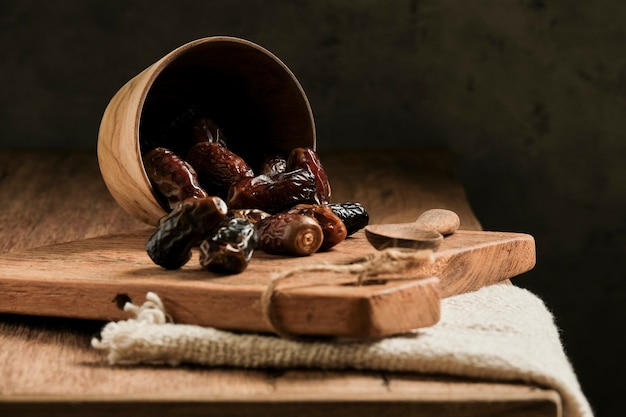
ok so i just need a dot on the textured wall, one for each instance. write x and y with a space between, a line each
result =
529 94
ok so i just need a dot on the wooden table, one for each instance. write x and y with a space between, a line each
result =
47 366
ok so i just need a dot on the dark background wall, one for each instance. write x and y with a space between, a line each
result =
530 95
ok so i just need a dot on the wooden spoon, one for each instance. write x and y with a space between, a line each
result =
402 235
426 232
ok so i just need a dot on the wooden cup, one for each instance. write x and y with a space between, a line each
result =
252 95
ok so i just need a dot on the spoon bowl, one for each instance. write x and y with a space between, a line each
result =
402 235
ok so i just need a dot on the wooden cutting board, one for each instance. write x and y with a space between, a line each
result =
91 278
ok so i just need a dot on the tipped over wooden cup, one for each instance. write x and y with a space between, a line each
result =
251 94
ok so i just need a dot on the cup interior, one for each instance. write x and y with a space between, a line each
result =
249 93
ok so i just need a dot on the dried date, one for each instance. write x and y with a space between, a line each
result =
183 228
253 215
230 248
332 226
273 194
354 215
273 164
217 167
172 177
290 234
307 158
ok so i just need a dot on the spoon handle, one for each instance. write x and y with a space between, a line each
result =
443 221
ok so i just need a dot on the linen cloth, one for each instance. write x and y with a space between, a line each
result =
499 333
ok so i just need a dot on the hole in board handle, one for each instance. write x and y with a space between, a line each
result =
121 299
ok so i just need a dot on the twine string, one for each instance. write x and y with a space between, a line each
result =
389 260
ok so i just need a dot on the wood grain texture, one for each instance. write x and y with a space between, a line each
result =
82 279
52 197
47 366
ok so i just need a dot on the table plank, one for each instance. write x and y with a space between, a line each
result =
47 366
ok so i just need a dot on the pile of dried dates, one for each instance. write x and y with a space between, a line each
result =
216 203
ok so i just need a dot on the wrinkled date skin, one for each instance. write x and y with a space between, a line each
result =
252 215
290 234
273 164
354 215
171 176
307 158
217 167
230 248
183 228
273 194
332 226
